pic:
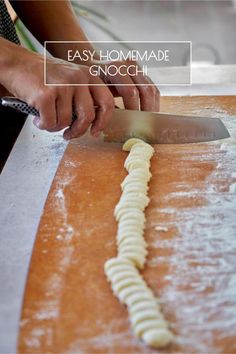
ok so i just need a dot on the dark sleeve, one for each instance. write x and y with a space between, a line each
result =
7 28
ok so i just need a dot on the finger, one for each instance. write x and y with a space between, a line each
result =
157 102
105 103
46 105
156 107
126 88
84 108
149 94
64 109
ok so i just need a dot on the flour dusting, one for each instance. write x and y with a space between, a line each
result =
195 244
49 308
204 264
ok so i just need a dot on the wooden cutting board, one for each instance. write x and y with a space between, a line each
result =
191 231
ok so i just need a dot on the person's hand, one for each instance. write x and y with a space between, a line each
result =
25 80
145 97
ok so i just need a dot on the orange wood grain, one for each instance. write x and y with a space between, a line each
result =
68 305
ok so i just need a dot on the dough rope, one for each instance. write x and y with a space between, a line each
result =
147 320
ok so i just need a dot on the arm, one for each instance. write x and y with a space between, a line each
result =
55 20
22 74
52 20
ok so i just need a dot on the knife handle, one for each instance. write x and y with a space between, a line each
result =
23 107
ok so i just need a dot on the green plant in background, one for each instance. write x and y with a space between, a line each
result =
86 12
94 17
23 34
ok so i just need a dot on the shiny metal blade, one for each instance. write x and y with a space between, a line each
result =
161 128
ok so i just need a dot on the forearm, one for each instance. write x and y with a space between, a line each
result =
53 21
7 58
14 59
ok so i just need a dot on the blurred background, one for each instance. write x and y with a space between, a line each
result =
210 25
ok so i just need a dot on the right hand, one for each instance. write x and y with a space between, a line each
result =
25 80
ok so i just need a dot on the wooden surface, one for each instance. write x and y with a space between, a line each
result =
191 227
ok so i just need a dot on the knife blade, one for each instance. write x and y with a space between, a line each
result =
163 128
154 128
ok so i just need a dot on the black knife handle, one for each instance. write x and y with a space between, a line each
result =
23 107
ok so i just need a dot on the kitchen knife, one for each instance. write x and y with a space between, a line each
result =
154 128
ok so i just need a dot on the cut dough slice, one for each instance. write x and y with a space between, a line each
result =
121 236
143 147
143 316
138 298
125 222
129 143
158 338
119 212
133 214
135 187
134 248
113 262
142 327
137 259
138 200
136 229
132 164
144 305
129 202
118 270
125 293
132 241
125 274
124 283
143 174
139 153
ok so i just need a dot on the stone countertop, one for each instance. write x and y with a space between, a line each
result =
25 181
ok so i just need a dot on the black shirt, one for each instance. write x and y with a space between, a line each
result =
7 28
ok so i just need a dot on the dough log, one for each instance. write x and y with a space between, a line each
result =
127 284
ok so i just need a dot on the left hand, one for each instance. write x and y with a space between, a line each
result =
145 97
